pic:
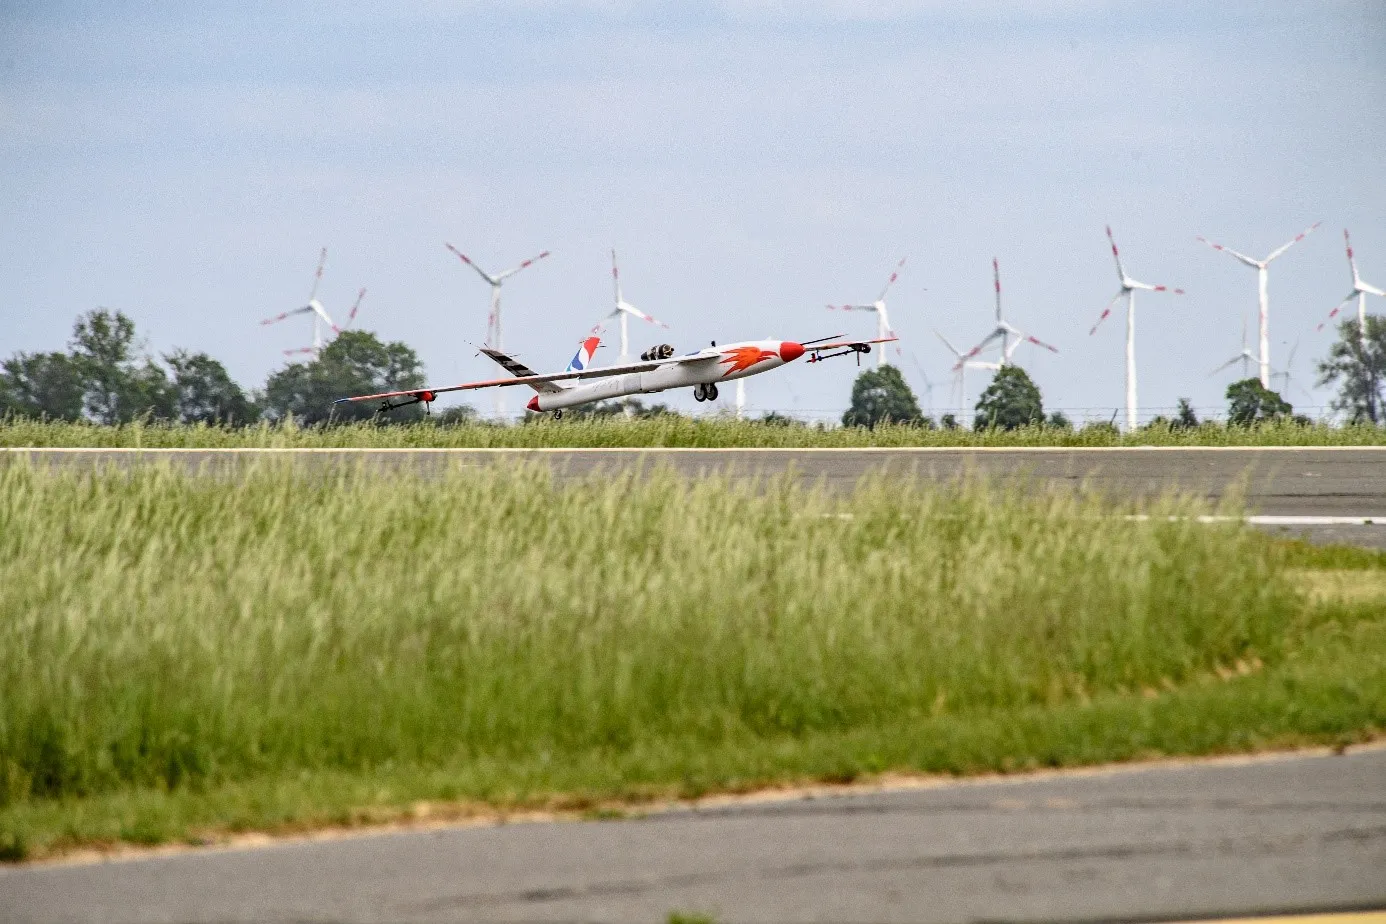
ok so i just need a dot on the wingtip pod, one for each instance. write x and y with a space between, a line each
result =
791 350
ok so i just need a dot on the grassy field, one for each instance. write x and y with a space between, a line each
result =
181 657
669 431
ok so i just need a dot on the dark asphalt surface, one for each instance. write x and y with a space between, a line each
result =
1320 482
1279 835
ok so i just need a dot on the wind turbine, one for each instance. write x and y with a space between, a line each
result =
883 329
1360 291
625 311
1262 276
1128 289
315 308
928 383
1286 376
1003 330
958 393
351 319
1245 357
493 320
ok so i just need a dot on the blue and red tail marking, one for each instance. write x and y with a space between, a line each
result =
583 357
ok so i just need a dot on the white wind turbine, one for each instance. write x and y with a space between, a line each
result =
1262 278
1128 289
958 393
1003 331
319 313
625 311
883 329
493 320
1360 291
1245 357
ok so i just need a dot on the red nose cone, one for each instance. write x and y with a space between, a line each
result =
533 403
790 351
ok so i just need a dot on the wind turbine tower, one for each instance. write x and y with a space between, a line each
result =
1128 289
1360 291
1262 276
883 329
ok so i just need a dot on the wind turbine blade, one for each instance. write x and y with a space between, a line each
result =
1352 297
1240 256
1352 261
321 312
317 276
1298 237
351 317
891 281
1370 290
468 260
1121 273
288 314
525 265
1231 362
1040 343
951 349
851 307
978 348
996 276
299 351
1106 311
630 309
616 279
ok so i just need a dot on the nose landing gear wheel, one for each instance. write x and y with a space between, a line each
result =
711 392
558 415
699 392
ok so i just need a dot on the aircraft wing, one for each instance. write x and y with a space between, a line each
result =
601 372
842 344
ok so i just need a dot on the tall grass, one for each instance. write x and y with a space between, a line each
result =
160 629
668 431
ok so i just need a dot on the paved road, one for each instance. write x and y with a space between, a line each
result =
1305 833
1319 482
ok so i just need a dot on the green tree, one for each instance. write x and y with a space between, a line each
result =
1184 416
1059 421
205 393
41 385
118 383
1249 402
1011 400
879 396
1358 369
355 363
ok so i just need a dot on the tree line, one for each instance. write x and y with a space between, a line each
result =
107 376
1355 364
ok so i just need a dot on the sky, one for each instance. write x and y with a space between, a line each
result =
751 160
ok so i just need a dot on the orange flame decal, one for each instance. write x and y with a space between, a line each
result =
739 358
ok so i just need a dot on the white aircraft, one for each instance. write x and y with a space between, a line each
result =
658 370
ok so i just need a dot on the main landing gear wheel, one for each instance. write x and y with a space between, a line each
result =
699 392
558 415
711 392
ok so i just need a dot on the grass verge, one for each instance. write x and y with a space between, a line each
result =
184 657
671 431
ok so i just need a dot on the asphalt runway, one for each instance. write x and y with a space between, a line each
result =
1279 835
1342 486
